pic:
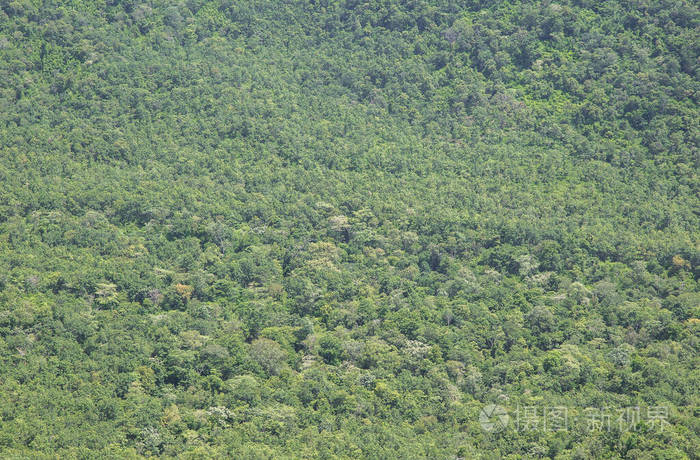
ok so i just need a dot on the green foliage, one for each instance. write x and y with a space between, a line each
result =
339 229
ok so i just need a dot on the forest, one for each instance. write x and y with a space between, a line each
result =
349 229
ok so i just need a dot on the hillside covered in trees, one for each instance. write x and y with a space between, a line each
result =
342 229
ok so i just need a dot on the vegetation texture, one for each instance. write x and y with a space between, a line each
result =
340 229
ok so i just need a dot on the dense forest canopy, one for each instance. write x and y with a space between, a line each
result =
341 229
